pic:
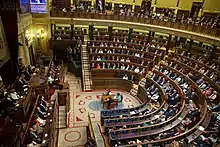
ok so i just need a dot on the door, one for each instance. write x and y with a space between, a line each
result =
196 6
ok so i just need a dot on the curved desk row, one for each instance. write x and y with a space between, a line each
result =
213 84
199 63
200 100
134 120
178 136
134 46
113 73
115 83
152 129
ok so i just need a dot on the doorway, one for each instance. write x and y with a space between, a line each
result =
32 57
196 6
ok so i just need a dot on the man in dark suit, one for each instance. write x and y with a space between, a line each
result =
34 136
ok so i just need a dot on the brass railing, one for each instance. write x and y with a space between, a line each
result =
206 30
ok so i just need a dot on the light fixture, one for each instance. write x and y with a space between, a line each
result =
41 34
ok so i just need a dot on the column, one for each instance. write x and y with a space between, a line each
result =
149 36
52 30
201 10
200 44
190 46
154 6
177 7
130 34
176 40
213 51
93 3
152 34
110 32
168 44
113 5
133 6
72 30
91 28
25 48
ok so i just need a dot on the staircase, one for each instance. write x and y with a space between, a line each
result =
142 82
87 82
134 90
62 117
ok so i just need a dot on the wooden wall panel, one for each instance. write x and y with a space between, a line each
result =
166 3
212 5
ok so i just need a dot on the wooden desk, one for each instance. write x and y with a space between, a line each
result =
105 98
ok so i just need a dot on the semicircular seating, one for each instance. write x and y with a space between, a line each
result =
183 109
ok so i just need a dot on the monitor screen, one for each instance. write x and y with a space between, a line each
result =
38 6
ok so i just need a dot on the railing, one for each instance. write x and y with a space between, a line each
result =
176 25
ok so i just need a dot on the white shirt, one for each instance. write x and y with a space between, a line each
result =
100 51
50 79
14 96
137 70
125 77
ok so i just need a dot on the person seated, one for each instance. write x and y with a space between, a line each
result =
39 130
59 38
34 137
127 60
143 71
125 77
114 66
102 45
14 96
122 59
108 92
42 115
125 46
109 51
199 81
123 67
98 66
51 79
191 105
137 70
42 107
137 54
103 58
23 83
100 51
213 96
98 58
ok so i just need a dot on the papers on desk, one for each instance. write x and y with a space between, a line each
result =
180 118
157 116
201 128
132 112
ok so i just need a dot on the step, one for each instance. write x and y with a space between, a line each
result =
62 108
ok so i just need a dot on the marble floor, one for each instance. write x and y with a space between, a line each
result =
83 104
72 137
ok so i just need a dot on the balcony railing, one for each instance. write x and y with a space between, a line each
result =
206 30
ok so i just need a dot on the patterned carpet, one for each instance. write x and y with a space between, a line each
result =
90 103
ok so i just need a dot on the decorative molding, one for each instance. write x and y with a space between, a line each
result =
25 21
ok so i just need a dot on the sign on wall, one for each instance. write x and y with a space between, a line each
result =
24 5
3 43
38 6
